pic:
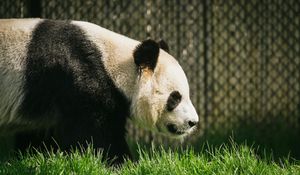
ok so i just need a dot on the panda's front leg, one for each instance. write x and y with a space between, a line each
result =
118 151
103 135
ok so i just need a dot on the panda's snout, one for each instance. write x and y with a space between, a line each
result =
179 130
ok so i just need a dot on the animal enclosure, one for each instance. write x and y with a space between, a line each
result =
242 57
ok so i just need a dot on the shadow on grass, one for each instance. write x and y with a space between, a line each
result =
6 147
276 138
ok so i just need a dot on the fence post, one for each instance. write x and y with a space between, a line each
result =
205 65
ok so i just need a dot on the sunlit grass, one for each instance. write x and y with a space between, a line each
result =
226 159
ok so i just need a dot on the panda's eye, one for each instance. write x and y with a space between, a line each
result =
173 100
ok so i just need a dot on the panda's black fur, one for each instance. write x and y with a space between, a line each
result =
65 75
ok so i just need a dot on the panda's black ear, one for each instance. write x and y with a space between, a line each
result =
163 45
146 54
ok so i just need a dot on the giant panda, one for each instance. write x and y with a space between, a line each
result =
86 82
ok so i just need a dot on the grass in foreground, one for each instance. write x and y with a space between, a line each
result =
231 159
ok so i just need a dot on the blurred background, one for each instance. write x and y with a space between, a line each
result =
241 57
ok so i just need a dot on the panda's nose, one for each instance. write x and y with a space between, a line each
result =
192 123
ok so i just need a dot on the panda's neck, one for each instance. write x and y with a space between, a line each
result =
117 55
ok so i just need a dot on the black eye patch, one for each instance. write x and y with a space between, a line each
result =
173 100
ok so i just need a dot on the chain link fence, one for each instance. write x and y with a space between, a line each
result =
242 57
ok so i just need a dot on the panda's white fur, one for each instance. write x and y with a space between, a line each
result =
148 91
14 36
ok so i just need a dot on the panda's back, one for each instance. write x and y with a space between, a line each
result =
48 68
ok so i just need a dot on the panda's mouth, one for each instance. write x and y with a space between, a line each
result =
174 129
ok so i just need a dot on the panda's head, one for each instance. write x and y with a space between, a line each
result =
161 101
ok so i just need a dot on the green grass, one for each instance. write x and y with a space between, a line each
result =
226 159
